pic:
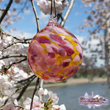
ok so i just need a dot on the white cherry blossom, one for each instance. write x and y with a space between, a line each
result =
61 107
10 107
2 100
45 6
36 104
42 92
53 97
17 1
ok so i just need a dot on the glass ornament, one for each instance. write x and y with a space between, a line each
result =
54 54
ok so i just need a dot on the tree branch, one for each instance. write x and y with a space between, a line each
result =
25 42
11 56
37 82
4 33
25 87
36 15
5 12
18 90
22 7
17 62
67 13
25 80
6 68
10 35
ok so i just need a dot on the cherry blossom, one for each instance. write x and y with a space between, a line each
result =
42 92
37 105
40 105
53 97
45 6
2 100
10 107
1 1
17 1
61 107
12 71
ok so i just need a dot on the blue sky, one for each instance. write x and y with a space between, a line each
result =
28 24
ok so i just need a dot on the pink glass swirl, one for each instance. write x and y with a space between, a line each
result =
54 53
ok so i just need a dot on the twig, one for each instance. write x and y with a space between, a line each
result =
4 33
25 87
25 42
59 16
26 80
36 15
17 91
14 36
37 82
11 56
5 12
27 39
67 13
22 7
19 106
5 69
17 62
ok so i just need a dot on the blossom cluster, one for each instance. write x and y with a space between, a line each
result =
39 102
45 5
9 80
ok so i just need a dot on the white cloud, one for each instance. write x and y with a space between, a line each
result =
27 11
43 18
20 34
93 45
76 14
67 27
80 38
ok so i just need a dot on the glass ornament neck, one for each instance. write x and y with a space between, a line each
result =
52 21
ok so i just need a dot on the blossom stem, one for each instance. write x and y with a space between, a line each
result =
25 87
17 91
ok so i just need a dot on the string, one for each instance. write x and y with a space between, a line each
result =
51 8
54 8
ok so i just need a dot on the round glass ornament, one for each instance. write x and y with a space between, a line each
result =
54 54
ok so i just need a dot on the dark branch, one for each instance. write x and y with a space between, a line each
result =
17 91
11 56
25 87
6 68
59 16
23 42
26 80
37 82
4 33
5 12
17 62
